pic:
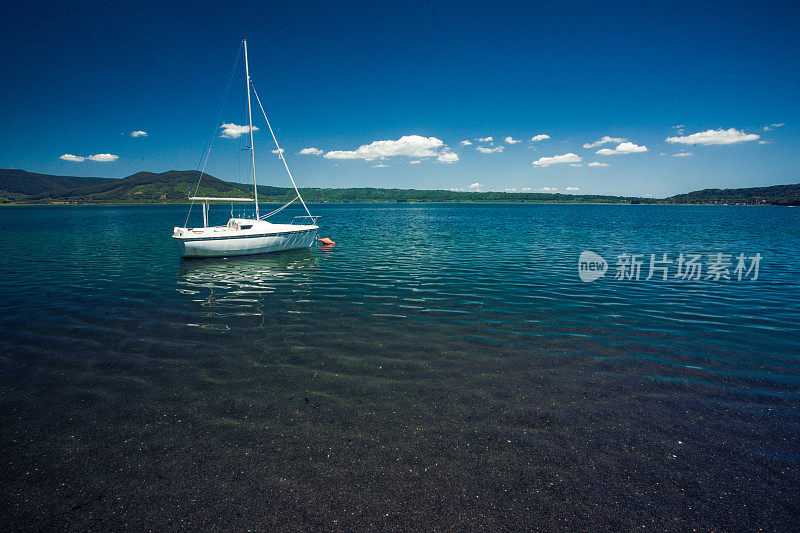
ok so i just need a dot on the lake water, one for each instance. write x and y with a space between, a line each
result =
441 367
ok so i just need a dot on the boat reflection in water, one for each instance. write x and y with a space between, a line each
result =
243 281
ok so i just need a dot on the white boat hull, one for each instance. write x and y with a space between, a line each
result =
222 242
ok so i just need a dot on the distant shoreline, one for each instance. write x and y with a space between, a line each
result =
376 202
22 188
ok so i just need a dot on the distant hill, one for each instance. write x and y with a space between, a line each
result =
174 187
16 185
368 194
19 186
773 195
143 187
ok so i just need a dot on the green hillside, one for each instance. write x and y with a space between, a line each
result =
20 187
174 187
368 194
774 195
17 185
143 187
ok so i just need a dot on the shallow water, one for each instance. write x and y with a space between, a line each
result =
440 367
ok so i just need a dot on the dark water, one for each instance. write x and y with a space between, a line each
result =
441 367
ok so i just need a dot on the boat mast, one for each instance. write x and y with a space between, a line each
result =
250 118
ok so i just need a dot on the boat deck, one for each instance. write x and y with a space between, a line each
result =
241 228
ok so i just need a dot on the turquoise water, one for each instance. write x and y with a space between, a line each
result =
440 367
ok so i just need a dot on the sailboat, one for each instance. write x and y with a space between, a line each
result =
245 236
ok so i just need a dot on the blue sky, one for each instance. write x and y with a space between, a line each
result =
409 82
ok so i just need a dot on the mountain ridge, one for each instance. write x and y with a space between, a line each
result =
173 186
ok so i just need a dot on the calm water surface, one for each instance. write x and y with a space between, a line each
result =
441 367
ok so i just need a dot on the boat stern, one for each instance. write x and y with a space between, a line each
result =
177 236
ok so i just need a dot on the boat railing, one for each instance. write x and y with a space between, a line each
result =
312 217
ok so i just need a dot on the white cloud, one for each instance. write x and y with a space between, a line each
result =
475 186
138 133
415 162
720 136
573 189
512 140
682 154
486 139
598 164
466 143
447 157
576 164
605 140
310 151
380 165
763 142
527 189
776 125
409 145
548 189
484 150
100 158
540 137
103 158
277 150
234 131
556 159
511 190
623 148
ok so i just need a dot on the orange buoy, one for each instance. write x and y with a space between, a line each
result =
326 240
